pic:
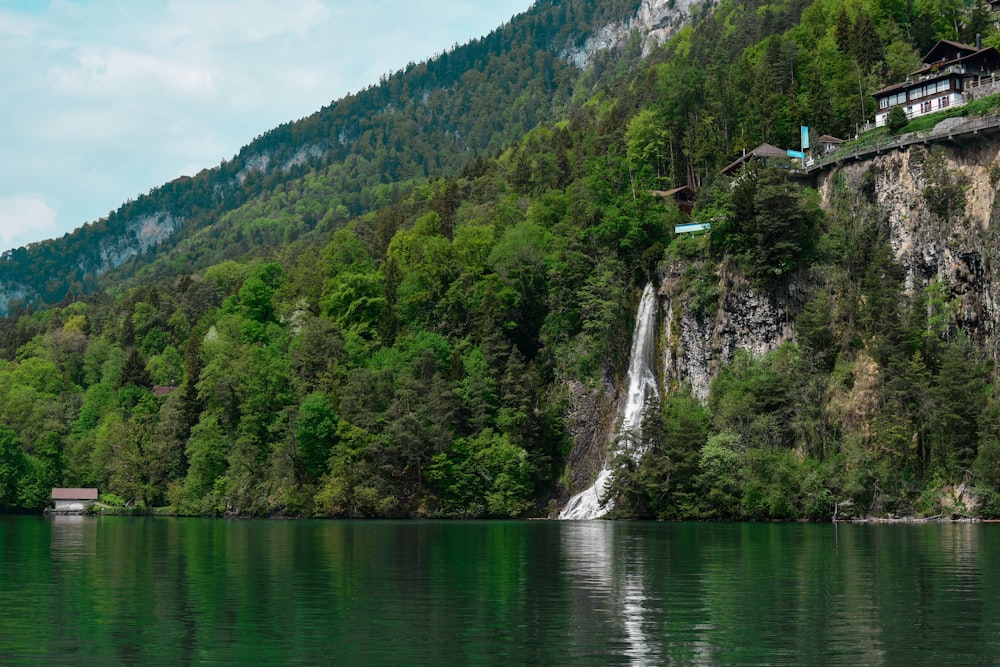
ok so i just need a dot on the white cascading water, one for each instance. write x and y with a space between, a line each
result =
641 385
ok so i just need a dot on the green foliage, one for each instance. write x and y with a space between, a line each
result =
257 291
945 189
12 467
720 465
167 368
815 329
207 451
777 484
702 288
756 398
664 483
647 141
315 431
986 467
483 476
771 227
896 120
111 500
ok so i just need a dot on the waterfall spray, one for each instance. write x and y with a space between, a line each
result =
641 385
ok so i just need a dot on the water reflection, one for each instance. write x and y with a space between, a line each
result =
633 610
74 537
778 594
610 581
95 591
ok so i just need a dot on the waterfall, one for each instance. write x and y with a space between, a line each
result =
641 384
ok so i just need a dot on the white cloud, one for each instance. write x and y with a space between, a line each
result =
84 126
25 218
17 26
231 21
101 72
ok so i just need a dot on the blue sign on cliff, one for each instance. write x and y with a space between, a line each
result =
692 227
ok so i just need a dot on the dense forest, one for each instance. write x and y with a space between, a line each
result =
389 327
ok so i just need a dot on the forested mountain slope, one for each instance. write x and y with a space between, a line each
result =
429 119
438 336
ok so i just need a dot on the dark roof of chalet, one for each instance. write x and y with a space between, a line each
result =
764 150
683 190
937 64
160 390
74 494
945 43
893 88
830 139
919 77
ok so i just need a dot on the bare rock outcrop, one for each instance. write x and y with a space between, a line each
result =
656 21
698 345
591 422
940 208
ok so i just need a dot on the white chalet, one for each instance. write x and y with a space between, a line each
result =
949 69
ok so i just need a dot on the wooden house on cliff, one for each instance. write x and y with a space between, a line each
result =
829 144
950 68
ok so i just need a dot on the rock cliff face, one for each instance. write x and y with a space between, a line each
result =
694 347
940 208
591 422
656 21
105 252
698 345
140 235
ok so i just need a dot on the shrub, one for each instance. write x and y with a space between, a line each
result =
896 120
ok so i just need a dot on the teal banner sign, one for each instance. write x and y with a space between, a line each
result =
693 227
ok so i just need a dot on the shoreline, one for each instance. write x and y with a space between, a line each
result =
166 512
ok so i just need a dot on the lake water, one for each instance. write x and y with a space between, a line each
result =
158 591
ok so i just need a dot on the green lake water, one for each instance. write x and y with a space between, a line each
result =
157 591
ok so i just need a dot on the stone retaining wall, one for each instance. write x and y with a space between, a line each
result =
987 87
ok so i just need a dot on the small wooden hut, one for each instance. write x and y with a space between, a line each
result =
73 500
684 196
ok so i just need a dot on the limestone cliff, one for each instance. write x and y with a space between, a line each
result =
591 422
655 21
939 206
698 344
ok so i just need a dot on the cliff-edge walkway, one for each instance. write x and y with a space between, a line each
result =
960 130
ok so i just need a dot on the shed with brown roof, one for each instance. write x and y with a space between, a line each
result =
830 143
765 152
684 196
73 500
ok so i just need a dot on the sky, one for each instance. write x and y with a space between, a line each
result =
103 100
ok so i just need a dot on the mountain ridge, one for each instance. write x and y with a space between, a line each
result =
334 135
